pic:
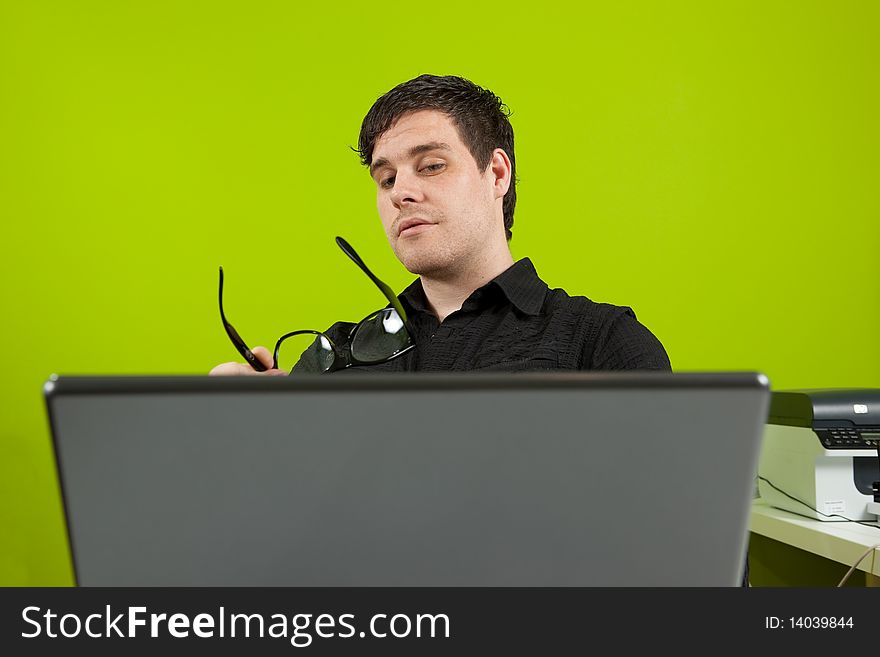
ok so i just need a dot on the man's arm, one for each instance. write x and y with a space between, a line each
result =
624 343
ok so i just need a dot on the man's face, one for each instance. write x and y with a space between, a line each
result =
438 210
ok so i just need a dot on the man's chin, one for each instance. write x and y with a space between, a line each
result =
422 261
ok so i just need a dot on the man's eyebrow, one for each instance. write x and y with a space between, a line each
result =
415 150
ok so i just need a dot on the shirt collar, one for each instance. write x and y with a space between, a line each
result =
522 286
519 283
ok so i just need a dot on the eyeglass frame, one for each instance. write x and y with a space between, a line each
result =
342 359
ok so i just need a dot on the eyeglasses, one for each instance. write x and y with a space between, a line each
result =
378 338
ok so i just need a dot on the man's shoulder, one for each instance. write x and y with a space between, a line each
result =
558 300
611 337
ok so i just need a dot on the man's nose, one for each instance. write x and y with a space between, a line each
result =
406 189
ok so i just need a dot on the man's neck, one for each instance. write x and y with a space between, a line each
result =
446 295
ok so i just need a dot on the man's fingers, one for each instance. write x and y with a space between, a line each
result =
243 369
263 356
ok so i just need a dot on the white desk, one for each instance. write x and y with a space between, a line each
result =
843 542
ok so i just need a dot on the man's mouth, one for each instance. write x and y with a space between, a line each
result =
412 226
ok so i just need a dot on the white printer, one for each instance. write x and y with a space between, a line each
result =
821 448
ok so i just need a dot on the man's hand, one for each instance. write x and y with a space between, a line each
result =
243 369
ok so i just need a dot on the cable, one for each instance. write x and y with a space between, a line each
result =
827 515
856 564
876 486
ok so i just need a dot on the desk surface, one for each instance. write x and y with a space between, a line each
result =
843 542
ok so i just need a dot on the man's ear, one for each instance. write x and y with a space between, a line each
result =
501 171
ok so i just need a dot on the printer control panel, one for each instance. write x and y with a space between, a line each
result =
841 438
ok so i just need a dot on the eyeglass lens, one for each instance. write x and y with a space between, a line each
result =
379 337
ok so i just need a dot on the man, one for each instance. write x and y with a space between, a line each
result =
440 150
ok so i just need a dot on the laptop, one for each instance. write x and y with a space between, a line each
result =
452 479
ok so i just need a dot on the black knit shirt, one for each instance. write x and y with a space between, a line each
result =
516 323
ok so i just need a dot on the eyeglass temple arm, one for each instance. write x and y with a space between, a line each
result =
240 344
387 291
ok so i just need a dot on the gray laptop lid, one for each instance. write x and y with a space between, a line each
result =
557 479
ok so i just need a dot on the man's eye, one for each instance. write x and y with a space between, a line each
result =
387 182
434 167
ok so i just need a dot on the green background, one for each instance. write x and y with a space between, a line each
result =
712 165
